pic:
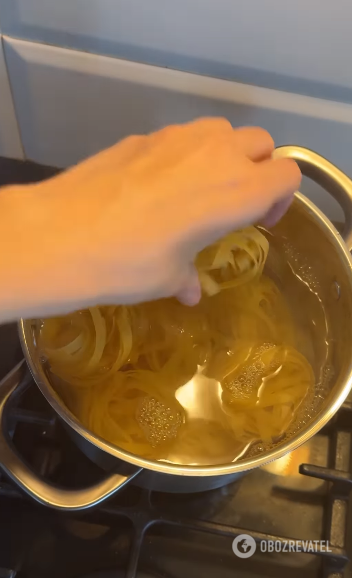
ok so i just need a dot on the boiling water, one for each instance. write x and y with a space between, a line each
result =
200 433
200 438
296 278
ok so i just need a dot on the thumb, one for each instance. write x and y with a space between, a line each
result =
277 211
190 292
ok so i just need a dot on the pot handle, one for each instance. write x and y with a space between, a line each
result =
37 488
327 176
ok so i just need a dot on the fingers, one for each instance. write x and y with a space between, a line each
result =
208 125
270 187
254 142
267 192
276 179
194 131
191 292
277 212
268 184
268 195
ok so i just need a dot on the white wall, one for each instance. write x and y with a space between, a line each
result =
10 142
303 46
71 104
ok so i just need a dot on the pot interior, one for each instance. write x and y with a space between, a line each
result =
304 246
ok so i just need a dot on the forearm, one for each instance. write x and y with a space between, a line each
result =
48 261
22 253
34 255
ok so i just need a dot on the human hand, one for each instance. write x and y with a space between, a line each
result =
125 225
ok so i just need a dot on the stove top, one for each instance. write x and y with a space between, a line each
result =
139 533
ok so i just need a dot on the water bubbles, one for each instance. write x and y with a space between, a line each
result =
307 411
301 267
326 375
158 422
248 381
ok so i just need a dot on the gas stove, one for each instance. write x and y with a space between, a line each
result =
140 533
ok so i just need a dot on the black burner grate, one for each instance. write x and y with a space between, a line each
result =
140 533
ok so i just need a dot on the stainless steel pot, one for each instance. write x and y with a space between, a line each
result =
315 237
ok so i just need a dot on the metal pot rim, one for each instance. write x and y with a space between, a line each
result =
235 467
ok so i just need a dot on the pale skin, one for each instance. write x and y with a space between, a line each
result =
125 225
